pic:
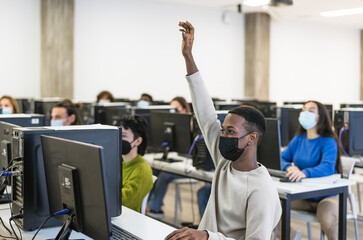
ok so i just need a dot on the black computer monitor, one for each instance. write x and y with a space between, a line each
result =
107 110
86 113
24 120
171 132
76 179
113 115
349 128
145 112
289 118
200 154
26 105
268 152
45 106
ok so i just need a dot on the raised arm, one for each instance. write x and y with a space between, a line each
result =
187 45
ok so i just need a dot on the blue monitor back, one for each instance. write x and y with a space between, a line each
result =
24 120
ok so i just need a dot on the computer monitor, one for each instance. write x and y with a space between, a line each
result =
200 154
171 132
76 179
145 112
45 106
349 128
105 112
29 192
268 152
351 105
24 120
226 105
289 116
86 113
26 105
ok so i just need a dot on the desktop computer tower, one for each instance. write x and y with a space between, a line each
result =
351 137
201 157
29 191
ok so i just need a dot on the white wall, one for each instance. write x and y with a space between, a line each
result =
20 48
133 46
314 61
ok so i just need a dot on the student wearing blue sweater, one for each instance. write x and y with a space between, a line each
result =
314 152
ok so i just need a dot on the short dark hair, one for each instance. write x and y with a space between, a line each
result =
107 94
71 108
146 97
138 126
255 121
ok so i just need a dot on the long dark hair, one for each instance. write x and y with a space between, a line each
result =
182 102
324 129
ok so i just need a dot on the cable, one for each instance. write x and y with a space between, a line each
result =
2 222
61 212
16 236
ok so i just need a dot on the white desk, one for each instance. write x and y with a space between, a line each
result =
287 191
140 225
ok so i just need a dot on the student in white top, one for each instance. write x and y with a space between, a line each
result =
244 203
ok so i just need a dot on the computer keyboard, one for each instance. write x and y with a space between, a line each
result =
121 234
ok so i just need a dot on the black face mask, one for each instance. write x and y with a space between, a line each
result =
126 147
229 147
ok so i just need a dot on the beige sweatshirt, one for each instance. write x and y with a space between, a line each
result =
242 205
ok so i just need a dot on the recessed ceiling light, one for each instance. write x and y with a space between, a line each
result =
342 12
255 3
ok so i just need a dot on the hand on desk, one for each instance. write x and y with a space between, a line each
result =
295 174
187 233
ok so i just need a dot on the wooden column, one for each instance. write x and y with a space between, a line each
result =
361 65
257 55
57 24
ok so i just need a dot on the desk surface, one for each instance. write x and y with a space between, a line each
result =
133 222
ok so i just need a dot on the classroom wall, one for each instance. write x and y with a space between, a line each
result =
20 48
130 47
314 61
133 46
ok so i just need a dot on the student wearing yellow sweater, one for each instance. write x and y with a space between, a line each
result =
137 179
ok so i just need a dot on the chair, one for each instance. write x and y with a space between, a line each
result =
177 183
347 166
144 201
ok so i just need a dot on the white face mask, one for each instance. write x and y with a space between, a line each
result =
104 101
56 123
307 120
6 110
142 103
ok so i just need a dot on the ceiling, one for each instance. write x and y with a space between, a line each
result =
307 10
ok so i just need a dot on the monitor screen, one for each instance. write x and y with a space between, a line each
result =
268 152
45 106
104 112
172 131
76 179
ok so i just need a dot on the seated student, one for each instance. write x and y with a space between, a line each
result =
161 185
145 100
8 105
104 97
137 179
244 203
314 152
65 113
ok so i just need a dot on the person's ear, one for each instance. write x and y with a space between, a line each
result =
72 119
138 141
253 138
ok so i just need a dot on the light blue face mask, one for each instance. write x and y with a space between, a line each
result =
142 103
56 123
307 119
6 110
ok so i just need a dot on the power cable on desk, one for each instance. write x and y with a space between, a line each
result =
61 212
2 222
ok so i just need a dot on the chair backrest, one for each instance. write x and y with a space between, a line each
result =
347 166
144 201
